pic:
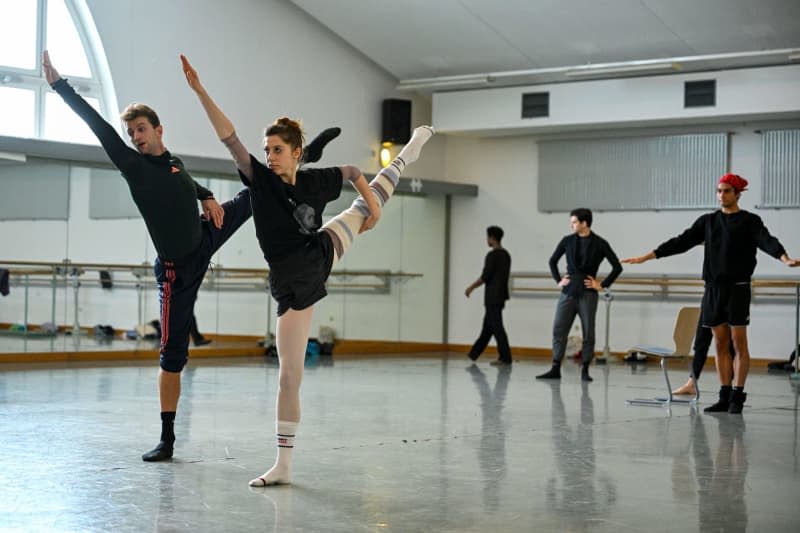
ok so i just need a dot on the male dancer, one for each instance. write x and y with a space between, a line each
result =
496 270
166 196
585 250
730 236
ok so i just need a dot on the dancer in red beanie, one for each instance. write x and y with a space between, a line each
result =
730 236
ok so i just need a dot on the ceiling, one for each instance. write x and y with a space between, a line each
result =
455 44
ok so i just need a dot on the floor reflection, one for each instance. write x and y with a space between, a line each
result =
577 493
721 480
492 448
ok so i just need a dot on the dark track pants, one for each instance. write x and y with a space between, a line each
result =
178 282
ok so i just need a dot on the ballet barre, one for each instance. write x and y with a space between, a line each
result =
66 274
663 287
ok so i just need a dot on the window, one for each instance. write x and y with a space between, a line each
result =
780 164
631 173
28 107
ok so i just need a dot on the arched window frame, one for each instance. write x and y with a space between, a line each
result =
100 85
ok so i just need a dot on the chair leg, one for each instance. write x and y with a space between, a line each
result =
666 378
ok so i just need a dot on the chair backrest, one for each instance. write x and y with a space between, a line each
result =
685 328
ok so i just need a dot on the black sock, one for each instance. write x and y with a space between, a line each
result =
168 426
313 151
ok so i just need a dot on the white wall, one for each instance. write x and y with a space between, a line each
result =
741 94
259 59
262 58
506 171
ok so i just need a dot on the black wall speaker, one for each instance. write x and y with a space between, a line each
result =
396 121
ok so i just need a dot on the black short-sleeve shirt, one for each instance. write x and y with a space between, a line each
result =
287 217
495 274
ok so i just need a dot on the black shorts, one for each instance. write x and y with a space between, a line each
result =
298 281
727 303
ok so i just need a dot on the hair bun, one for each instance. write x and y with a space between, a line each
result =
291 131
288 123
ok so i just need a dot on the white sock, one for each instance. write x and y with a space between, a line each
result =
281 471
344 227
408 154
412 149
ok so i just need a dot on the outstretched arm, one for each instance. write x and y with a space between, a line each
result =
221 123
640 259
772 245
691 237
50 72
788 261
121 155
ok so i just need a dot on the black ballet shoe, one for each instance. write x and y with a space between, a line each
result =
553 373
313 151
161 452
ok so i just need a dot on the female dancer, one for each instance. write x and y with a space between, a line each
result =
287 210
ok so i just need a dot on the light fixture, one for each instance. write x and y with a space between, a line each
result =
386 155
541 76
13 156
605 70
446 82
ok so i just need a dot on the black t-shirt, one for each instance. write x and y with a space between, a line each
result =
730 240
164 192
496 271
288 217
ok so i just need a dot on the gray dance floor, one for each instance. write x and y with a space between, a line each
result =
394 444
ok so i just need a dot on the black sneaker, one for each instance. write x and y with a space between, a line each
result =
724 402
738 398
719 407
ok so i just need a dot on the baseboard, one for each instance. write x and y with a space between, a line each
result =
234 345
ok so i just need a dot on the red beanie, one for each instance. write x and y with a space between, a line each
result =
738 183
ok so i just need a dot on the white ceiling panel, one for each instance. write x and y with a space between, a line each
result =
719 26
414 39
557 33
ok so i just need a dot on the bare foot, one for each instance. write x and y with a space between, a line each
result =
687 389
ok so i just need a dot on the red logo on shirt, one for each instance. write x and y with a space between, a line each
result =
175 170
